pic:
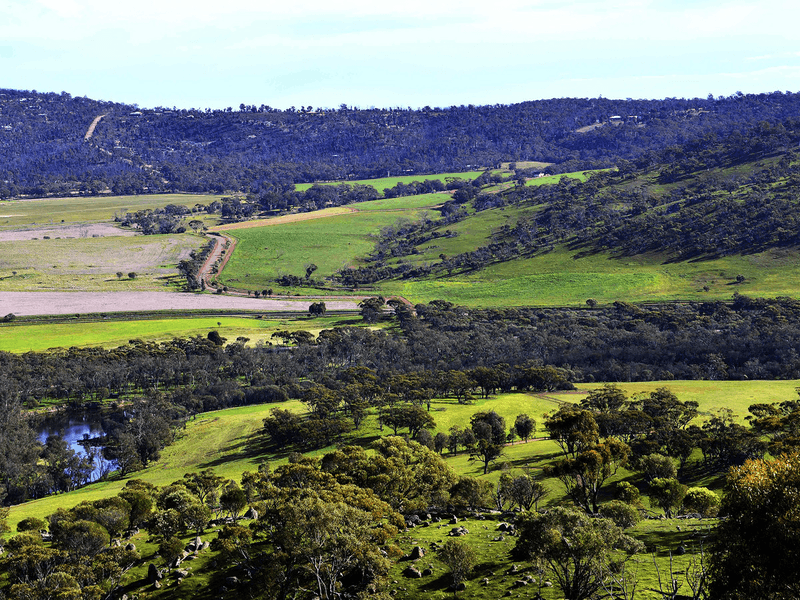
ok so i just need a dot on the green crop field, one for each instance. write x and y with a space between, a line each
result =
559 279
55 211
109 334
403 203
264 253
91 264
382 183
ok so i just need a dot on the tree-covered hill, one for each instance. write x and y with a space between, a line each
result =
706 199
259 149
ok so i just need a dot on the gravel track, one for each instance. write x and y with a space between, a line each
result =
63 303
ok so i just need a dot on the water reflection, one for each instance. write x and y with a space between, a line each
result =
75 428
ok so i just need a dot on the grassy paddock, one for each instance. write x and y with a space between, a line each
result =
226 440
109 334
382 183
558 278
54 211
91 264
265 253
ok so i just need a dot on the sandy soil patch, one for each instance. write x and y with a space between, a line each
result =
67 231
63 303
292 218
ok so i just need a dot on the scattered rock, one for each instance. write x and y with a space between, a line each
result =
453 520
427 572
417 553
681 550
231 581
131 547
251 514
547 584
157 585
413 521
520 583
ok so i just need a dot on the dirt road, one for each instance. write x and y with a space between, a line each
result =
64 303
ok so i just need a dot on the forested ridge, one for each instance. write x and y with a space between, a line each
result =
705 199
258 149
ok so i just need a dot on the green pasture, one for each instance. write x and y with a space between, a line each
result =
15 214
552 179
383 183
37 337
91 264
403 203
712 396
560 278
222 440
263 253
491 577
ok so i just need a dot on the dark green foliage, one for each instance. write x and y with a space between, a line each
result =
756 548
576 550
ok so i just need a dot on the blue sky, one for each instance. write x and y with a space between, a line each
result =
410 53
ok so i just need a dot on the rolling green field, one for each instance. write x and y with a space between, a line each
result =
226 439
382 183
90 264
54 211
559 279
109 334
263 253
555 278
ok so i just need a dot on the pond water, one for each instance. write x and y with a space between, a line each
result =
75 427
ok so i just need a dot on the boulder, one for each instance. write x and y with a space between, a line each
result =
153 574
231 581
412 572
427 572
417 553
130 547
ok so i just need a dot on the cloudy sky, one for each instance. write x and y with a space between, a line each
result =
404 53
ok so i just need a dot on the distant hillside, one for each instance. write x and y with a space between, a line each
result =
702 200
45 149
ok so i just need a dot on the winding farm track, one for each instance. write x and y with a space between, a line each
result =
74 303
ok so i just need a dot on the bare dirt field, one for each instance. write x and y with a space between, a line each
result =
290 218
63 303
89 230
